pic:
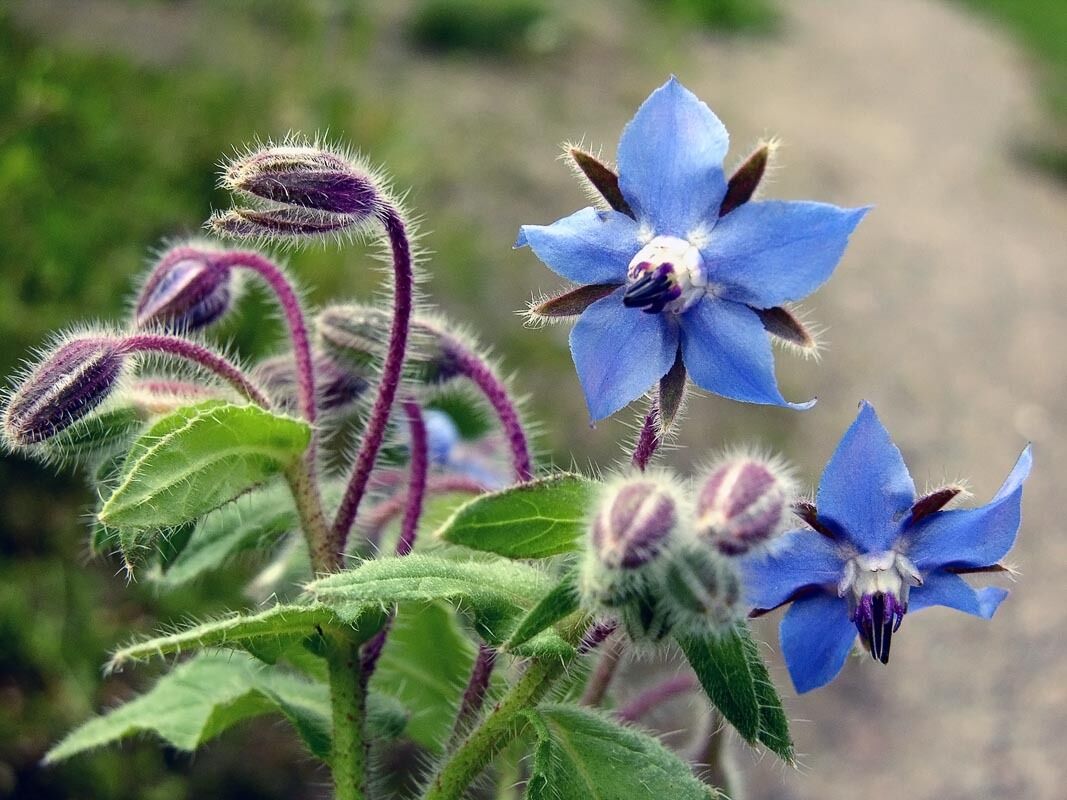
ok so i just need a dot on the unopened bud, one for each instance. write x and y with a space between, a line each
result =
337 388
358 336
67 385
307 177
187 290
279 223
743 502
702 591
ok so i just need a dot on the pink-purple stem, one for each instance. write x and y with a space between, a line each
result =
380 516
474 695
418 467
640 705
374 433
603 674
211 361
648 440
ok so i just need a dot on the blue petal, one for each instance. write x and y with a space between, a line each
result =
670 161
866 490
946 589
589 246
974 537
727 351
771 252
792 561
620 353
816 637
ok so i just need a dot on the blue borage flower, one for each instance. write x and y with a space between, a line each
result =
874 552
691 273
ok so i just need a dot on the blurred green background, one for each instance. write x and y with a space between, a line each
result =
115 113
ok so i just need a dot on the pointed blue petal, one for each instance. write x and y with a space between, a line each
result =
620 353
816 637
866 491
792 561
973 537
952 591
727 351
771 252
670 161
589 246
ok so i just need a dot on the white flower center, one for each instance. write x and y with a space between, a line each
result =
666 274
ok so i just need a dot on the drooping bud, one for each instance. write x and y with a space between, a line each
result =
66 386
307 177
187 290
701 591
337 388
743 502
358 336
280 223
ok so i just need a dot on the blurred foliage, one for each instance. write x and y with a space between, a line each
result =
727 16
1041 27
488 27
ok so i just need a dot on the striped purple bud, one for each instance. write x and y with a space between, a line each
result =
306 177
743 502
188 290
634 525
337 388
65 387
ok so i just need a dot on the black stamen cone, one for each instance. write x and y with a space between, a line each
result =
651 291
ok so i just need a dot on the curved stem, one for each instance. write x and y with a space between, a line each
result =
419 467
198 354
390 381
379 516
648 440
469 364
660 693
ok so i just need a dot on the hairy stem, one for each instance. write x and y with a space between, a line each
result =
313 520
347 699
474 695
378 517
178 347
654 696
419 468
648 440
602 675
392 369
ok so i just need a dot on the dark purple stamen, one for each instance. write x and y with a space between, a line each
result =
653 290
877 618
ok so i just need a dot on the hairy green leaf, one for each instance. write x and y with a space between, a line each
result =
735 679
266 634
583 755
561 601
201 698
532 520
199 458
95 435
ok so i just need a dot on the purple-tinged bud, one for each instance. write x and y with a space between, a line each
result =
66 386
280 223
743 502
337 388
189 289
307 177
634 524
358 336
701 591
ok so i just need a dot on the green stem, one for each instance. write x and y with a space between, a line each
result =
312 518
348 757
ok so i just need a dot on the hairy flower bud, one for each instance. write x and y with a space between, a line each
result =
307 177
701 591
337 388
186 291
743 501
68 384
358 336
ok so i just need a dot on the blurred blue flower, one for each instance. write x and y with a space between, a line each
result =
687 277
874 552
448 452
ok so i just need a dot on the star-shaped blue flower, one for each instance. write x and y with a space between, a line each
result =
874 552
691 273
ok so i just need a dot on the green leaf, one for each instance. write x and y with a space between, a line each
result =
199 458
582 755
497 592
425 664
95 435
266 634
201 698
560 602
256 520
532 520
735 678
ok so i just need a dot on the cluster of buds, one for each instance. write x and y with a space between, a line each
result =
661 563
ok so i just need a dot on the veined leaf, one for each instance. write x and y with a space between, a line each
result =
201 698
497 592
266 634
199 458
532 520
560 602
582 755
735 679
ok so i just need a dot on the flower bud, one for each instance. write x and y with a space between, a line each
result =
701 591
307 177
67 385
337 388
358 336
743 502
293 224
187 290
